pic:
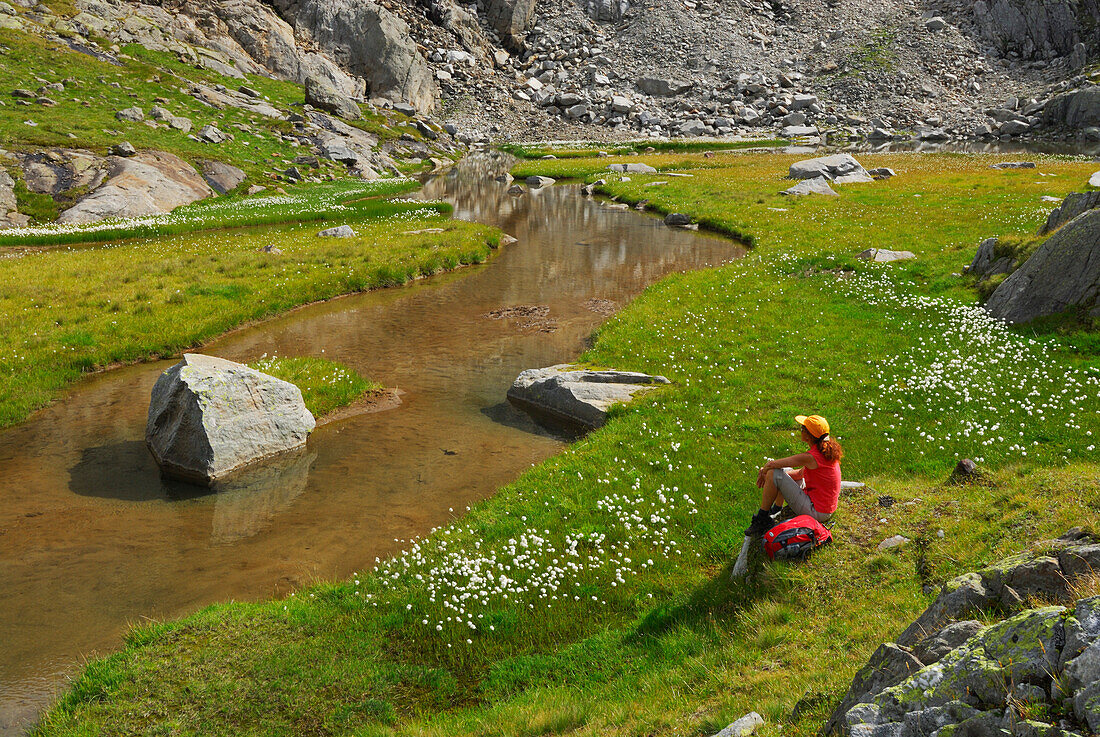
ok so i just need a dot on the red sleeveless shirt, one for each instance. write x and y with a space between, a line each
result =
823 483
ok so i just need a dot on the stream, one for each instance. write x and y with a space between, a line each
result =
92 540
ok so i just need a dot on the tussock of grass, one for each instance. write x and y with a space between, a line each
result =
593 595
66 312
326 385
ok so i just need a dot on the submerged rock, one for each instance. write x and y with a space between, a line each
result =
536 182
576 397
209 417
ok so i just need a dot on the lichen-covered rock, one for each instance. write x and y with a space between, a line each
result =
961 596
209 417
889 665
1073 205
1063 273
950 637
577 397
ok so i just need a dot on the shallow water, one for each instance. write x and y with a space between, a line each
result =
91 539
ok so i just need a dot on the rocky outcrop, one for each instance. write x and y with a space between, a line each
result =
511 19
222 177
1035 29
1075 203
578 398
150 183
321 95
946 672
1076 109
989 261
9 215
209 417
1063 273
369 42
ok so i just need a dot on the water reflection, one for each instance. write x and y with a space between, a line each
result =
91 537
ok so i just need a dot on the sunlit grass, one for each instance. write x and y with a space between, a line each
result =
66 312
592 595
326 385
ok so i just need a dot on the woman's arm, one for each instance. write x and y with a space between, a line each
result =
802 460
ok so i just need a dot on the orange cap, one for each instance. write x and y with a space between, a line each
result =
817 425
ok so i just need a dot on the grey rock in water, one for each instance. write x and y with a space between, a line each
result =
829 167
148 183
577 397
209 417
321 95
885 256
537 182
1063 273
341 231
817 185
222 177
677 219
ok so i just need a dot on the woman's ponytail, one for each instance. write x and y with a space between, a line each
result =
830 449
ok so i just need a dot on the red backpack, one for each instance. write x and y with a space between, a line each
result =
796 538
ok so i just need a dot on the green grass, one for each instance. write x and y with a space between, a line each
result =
326 385
350 199
620 618
64 312
632 148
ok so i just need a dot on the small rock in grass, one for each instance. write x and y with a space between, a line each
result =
22 94
1094 180
211 134
883 256
256 189
123 149
892 542
883 172
746 725
817 185
677 219
131 114
269 248
342 231
1014 165
632 168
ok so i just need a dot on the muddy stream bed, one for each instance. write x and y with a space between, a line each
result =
91 539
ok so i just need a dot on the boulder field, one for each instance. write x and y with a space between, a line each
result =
1034 671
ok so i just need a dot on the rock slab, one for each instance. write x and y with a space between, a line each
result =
577 397
148 183
1063 273
829 167
209 417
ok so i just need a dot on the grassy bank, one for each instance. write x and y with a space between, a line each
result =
592 595
326 385
67 312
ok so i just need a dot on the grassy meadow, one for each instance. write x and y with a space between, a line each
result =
592 595
67 311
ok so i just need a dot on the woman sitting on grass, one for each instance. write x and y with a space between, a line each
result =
813 489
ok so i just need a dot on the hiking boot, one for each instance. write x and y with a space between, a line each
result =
761 522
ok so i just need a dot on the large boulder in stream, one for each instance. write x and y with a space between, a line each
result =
209 417
576 398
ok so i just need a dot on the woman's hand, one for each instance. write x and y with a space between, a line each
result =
762 477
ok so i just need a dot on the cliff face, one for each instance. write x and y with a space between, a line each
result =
1037 29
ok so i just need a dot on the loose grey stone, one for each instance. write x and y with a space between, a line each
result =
883 255
537 182
577 397
340 231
